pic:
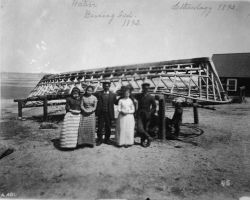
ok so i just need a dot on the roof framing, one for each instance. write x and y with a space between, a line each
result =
194 78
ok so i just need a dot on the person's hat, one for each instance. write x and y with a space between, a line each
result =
145 83
179 100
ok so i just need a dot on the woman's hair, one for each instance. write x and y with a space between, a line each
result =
126 88
89 86
123 90
75 89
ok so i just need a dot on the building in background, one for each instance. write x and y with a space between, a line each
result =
234 72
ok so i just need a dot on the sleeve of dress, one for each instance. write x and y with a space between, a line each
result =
119 108
95 103
153 105
67 106
115 99
132 107
82 106
136 104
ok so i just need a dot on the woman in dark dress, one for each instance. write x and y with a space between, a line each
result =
87 126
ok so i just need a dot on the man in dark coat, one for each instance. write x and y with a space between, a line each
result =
146 108
105 113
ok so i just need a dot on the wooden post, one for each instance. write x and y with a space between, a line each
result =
242 94
195 109
20 107
45 108
162 126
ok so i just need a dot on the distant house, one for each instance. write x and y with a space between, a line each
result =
234 72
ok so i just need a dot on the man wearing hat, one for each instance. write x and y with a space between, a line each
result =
105 112
146 108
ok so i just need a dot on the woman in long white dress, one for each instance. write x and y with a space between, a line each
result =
126 121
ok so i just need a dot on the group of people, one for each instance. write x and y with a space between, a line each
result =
79 126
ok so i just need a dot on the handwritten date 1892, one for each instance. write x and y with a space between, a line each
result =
226 7
130 22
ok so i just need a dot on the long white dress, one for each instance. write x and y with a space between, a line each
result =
125 123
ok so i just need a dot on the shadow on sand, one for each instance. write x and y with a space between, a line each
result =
51 118
56 143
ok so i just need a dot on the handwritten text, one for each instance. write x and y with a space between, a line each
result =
202 8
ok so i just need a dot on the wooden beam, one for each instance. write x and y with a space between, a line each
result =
189 83
207 86
212 75
41 105
20 114
17 100
195 109
162 117
199 80
218 90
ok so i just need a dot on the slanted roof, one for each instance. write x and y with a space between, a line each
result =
182 78
232 65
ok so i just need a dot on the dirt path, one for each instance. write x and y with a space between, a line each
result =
213 165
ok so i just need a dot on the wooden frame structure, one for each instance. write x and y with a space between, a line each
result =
195 79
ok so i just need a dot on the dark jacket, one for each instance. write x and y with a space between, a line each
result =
73 104
146 103
111 101
177 117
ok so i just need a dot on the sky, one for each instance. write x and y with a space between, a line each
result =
53 36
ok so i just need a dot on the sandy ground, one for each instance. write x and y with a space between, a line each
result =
211 160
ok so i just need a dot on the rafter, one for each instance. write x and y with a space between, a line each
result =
191 78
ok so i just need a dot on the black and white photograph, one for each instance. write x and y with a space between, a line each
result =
125 99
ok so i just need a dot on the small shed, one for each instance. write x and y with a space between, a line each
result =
234 72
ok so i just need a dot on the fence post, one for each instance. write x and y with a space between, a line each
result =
20 107
161 113
196 114
45 108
